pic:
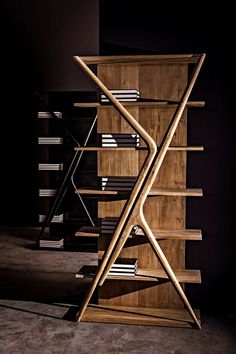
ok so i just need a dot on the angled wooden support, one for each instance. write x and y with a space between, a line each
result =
132 213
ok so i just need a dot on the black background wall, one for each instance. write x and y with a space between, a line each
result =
39 40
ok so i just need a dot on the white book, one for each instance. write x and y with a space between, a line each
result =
47 192
120 141
121 274
120 144
48 114
103 97
125 91
120 135
103 100
50 167
55 219
50 140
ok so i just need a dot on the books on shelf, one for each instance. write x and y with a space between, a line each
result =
50 140
124 267
47 192
118 183
49 115
50 166
124 95
56 218
108 226
52 243
120 140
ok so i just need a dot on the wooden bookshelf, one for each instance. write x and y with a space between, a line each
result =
150 297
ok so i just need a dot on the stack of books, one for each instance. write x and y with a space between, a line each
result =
50 140
118 183
48 114
52 243
124 95
56 218
108 226
122 140
47 192
50 166
124 267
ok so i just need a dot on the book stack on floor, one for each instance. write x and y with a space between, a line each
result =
108 226
50 166
49 115
50 140
56 218
124 95
124 267
53 242
118 183
120 140
47 192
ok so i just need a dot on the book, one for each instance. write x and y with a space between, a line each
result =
50 166
124 91
124 267
55 219
50 140
49 115
47 192
52 242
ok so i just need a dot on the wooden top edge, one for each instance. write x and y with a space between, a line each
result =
116 59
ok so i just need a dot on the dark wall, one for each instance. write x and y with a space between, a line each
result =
39 39
137 28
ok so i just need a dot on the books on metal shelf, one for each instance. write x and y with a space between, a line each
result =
108 226
47 192
120 140
53 242
50 140
124 95
118 183
49 115
50 166
55 219
124 267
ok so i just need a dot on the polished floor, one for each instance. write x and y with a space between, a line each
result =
38 298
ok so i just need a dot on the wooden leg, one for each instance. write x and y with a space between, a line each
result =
167 268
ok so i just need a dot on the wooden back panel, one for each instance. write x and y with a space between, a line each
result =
165 82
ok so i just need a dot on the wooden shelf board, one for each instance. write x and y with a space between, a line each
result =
103 148
171 148
141 316
191 192
141 104
142 59
189 234
151 275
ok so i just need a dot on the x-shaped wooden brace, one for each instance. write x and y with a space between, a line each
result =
132 213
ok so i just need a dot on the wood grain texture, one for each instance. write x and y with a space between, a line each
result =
178 192
160 234
197 104
141 316
165 82
166 58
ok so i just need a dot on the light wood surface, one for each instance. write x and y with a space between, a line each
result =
136 199
171 148
141 316
187 192
141 59
160 234
140 104
149 275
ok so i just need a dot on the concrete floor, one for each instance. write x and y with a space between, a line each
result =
38 299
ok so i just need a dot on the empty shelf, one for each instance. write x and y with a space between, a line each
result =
191 192
141 59
189 234
138 315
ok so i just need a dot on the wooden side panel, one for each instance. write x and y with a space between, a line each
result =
165 82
